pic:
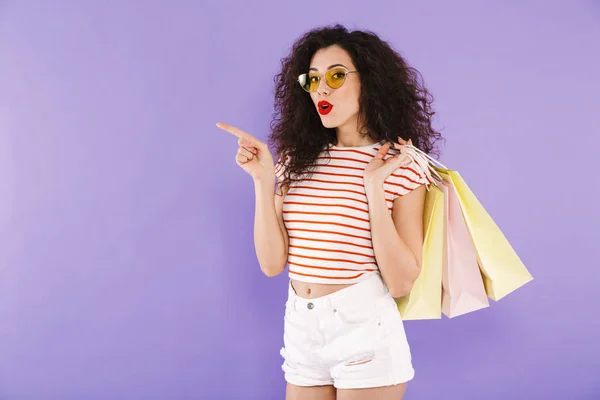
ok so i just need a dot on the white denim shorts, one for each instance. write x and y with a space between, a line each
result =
353 338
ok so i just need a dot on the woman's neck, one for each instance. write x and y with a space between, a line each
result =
348 135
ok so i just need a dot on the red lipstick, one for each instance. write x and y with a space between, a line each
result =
325 107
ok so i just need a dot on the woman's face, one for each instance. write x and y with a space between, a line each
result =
336 107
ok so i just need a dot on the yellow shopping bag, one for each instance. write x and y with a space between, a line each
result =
503 270
425 299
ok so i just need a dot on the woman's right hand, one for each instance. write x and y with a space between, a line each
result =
253 155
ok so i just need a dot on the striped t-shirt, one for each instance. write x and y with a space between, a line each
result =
327 217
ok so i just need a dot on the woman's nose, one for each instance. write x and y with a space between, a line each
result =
323 88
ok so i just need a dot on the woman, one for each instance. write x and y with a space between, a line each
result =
347 213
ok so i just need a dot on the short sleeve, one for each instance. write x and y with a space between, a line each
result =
406 179
280 168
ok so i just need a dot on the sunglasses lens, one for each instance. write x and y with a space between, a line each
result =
335 78
309 82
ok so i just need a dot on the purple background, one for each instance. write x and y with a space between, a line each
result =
127 268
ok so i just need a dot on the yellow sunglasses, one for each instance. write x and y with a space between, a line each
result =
334 78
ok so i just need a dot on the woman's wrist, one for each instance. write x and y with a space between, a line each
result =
373 189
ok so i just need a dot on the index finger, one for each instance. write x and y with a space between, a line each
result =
382 151
402 141
236 131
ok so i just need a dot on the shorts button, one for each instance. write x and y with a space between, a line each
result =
310 306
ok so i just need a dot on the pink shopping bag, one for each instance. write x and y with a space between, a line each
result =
463 290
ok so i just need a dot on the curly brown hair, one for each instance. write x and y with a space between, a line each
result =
393 102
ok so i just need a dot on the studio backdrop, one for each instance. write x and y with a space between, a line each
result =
127 266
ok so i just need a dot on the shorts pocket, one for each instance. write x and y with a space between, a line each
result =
357 315
391 322
360 329
373 324
295 320
297 334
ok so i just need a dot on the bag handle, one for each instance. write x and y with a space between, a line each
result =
426 163
414 149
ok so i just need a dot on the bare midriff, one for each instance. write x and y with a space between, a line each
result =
314 290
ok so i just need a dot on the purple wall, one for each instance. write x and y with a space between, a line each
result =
127 268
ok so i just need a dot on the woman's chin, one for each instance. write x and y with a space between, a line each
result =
328 122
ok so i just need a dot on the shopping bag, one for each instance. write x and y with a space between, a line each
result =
502 269
425 298
463 290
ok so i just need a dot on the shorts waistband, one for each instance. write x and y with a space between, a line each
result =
369 289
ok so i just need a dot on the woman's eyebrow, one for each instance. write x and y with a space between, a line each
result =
331 66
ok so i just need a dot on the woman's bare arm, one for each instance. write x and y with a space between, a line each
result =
270 234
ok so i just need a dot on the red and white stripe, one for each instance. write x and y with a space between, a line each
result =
327 216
